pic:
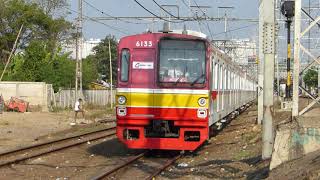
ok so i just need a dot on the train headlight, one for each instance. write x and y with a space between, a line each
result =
122 100
202 101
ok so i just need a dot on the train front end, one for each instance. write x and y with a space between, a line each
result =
162 91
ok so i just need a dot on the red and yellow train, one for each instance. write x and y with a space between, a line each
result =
172 88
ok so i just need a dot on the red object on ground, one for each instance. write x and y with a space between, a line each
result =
16 104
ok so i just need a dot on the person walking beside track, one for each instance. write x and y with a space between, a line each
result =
78 108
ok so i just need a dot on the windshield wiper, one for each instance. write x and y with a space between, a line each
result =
178 80
195 81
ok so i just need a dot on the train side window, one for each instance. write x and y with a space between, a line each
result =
125 61
229 79
224 78
216 69
231 82
220 77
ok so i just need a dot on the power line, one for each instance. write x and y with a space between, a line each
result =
205 16
197 18
155 14
236 29
104 13
164 9
182 18
94 20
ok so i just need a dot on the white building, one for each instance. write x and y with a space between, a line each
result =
242 51
87 48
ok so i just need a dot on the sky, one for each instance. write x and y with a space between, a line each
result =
238 30
242 9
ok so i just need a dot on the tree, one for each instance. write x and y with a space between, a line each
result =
101 57
51 7
311 78
36 64
40 57
89 72
37 26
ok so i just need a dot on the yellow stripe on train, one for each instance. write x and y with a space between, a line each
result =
163 100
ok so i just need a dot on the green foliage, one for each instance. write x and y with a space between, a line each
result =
40 57
101 57
37 26
311 78
36 64
89 72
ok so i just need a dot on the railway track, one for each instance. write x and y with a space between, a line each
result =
22 154
107 172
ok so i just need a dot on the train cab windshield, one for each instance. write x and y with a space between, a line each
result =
182 62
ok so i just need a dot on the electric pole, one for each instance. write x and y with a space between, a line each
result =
78 84
110 63
296 66
226 18
267 11
260 63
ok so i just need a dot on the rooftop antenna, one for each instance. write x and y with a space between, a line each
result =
185 32
166 28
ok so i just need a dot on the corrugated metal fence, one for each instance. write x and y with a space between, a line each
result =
66 98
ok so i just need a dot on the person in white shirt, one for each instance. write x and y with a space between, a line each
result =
78 108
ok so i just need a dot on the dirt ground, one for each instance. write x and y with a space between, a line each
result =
234 153
22 129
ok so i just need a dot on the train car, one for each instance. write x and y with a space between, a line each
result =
173 88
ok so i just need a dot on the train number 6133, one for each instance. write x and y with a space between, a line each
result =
144 43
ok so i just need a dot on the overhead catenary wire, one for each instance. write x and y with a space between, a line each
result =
107 25
236 29
165 9
195 18
199 22
208 27
115 18
157 15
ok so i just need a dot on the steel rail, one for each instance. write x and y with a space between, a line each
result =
53 141
54 149
169 162
107 172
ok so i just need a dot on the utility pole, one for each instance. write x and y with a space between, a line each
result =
278 77
318 80
12 51
260 66
296 66
226 18
78 84
110 63
268 13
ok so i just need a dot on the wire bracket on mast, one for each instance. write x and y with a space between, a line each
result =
268 38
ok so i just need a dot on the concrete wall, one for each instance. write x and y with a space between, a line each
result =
36 93
295 139
66 98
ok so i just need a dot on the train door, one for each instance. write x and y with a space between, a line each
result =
214 90
142 79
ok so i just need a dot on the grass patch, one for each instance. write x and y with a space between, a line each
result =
243 154
98 112
4 123
250 136
60 109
